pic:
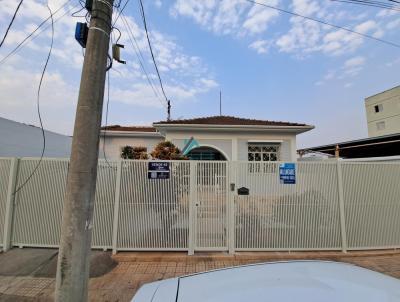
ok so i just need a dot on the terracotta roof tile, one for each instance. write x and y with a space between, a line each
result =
130 128
227 120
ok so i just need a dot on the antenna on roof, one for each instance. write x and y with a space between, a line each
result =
220 103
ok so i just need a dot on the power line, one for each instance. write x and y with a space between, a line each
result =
324 22
151 51
376 4
120 11
11 22
140 57
105 128
22 43
107 106
136 48
38 104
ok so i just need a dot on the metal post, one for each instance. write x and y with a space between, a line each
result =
341 207
8 219
77 222
116 207
192 201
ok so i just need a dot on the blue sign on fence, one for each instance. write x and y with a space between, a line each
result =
287 173
158 170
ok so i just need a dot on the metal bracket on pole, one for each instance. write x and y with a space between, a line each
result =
341 208
192 197
116 207
9 213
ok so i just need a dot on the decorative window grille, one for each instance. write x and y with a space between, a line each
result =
263 152
261 155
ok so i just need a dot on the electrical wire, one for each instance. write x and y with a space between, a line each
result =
11 22
119 34
388 3
107 107
140 58
38 104
119 4
74 14
105 127
376 4
151 50
22 43
324 22
120 11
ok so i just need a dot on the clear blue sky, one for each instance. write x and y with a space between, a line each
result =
268 65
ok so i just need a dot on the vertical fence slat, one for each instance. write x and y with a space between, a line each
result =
116 207
9 204
341 207
192 198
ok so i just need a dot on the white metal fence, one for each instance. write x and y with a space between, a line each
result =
4 180
332 206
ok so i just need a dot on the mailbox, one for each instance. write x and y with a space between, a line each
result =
243 191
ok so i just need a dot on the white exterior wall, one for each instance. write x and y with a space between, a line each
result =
390 114
114 144
233 144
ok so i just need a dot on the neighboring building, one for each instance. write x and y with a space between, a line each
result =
383 112
374 147
216 137
383 118
21 140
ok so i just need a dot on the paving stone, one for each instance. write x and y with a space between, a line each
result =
126 278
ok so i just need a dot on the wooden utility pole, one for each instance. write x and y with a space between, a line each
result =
74 253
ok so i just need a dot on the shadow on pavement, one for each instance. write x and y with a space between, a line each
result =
41 262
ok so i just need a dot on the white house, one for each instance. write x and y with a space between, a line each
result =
215 138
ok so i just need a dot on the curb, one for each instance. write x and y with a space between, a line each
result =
246 256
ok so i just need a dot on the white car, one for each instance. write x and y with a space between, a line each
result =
292 281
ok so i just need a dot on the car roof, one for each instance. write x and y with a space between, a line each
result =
311 281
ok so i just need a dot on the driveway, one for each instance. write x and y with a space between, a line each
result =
29 274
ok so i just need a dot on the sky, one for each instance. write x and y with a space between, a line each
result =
268 65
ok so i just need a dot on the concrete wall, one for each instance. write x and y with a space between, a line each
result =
389 115
21 140
114 144
234 144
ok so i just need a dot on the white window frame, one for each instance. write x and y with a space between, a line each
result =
379 107
380 126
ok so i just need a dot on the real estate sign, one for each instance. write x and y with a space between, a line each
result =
158 170
287 173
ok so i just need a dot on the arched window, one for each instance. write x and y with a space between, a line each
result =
205 153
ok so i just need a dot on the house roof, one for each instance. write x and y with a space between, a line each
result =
386 145
227 120
129 128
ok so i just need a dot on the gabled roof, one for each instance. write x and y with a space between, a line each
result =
129 128
229 121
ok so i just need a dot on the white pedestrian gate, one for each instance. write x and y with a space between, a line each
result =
210 206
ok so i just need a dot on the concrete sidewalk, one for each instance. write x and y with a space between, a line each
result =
134 269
